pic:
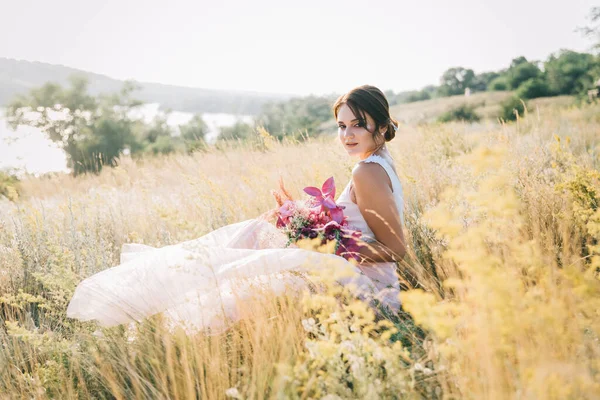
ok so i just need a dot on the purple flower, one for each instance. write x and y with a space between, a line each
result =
324 197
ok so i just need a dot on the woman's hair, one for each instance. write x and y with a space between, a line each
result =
369 99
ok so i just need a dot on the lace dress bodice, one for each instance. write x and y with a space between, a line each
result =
356 220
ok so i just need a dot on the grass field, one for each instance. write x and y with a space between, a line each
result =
502 223
486 105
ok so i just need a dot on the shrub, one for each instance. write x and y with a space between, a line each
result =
240 130
510 108
464 113
498 84
533 88
9 186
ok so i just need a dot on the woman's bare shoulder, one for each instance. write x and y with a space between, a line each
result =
370 176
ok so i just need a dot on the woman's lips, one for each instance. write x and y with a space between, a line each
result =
351 144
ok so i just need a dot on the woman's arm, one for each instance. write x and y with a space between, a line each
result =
377 205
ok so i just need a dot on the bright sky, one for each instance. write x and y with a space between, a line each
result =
299 47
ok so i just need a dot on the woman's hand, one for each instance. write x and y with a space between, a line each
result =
377 205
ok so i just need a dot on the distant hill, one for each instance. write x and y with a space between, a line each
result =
18 76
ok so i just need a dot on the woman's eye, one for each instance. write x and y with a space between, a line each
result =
359 124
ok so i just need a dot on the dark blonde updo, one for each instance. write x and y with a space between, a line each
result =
369 99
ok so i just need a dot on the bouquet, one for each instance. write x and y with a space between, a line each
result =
317 217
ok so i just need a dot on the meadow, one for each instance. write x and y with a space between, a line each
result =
503 299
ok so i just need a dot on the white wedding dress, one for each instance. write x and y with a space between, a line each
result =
199 284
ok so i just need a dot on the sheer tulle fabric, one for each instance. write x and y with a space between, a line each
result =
199 284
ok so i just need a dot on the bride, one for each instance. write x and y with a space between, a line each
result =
200 283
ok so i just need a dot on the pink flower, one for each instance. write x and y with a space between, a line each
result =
320 217
280 224
324 197
287 210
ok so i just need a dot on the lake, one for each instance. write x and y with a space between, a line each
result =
30 150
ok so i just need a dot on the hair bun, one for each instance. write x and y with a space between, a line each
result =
391 130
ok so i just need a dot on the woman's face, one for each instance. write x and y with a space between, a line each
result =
355 137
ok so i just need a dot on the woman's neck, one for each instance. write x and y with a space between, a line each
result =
383 152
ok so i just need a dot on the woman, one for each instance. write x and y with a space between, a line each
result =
201 282
373 199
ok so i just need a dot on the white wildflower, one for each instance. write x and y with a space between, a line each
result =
331 397
347 346
313 351
378 355
233 392
355 364
309 324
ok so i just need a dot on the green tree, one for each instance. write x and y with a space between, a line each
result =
157 137
498 84
481 81
593 30
431 90
417 96
518 61
533 88
428 92
570 72
297 117
238 131
455 80
92 131
164 145
391 96
520 71
194 134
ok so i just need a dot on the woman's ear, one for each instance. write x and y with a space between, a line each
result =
383 129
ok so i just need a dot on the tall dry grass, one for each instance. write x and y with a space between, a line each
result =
502 223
